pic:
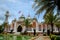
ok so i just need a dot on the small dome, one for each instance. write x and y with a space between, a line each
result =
28 17
7 13
22 16
14 20
35 18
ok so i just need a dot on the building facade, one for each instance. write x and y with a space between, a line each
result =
34 24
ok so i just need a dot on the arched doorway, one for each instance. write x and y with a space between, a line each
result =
19 29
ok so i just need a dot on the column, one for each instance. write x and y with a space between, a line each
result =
15 28
41 28
37 29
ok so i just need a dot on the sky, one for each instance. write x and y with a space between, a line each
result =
14 6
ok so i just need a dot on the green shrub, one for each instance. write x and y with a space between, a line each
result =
57 38
52 37
1 29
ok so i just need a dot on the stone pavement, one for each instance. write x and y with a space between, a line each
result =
41 38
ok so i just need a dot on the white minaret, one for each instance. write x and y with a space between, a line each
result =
6 21
6 17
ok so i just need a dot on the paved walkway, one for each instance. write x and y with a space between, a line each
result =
41 38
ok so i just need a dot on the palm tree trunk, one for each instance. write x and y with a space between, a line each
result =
48 30
52 28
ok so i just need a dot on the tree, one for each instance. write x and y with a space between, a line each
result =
51 19
1 28
58 25
48 5
27 23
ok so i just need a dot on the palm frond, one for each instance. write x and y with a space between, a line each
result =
36 1
41 9
40 4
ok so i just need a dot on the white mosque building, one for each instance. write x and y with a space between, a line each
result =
34 24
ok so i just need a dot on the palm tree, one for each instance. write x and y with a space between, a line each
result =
58 25
51 19
48 5
27 23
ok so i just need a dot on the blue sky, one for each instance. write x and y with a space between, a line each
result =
14 6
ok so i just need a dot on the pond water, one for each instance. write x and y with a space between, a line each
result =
11 37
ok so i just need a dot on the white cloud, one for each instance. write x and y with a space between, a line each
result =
16 5
3 7
31 2
14 1
1 22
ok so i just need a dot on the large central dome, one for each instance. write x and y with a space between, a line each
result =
22 18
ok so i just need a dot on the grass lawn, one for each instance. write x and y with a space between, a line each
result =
14 37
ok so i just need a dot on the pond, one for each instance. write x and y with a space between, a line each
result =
14 37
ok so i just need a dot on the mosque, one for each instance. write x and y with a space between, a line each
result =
34 24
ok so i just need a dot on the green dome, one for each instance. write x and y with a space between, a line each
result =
35 18
22 16
28 17
14 20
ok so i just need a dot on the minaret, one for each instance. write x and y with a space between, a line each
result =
6 21
6 17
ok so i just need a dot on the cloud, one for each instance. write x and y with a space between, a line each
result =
4 7
14 1
16 5
1 18
1 22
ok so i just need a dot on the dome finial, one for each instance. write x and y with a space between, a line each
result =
28 15
22 16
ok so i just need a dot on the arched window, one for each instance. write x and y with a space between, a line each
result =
39 27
